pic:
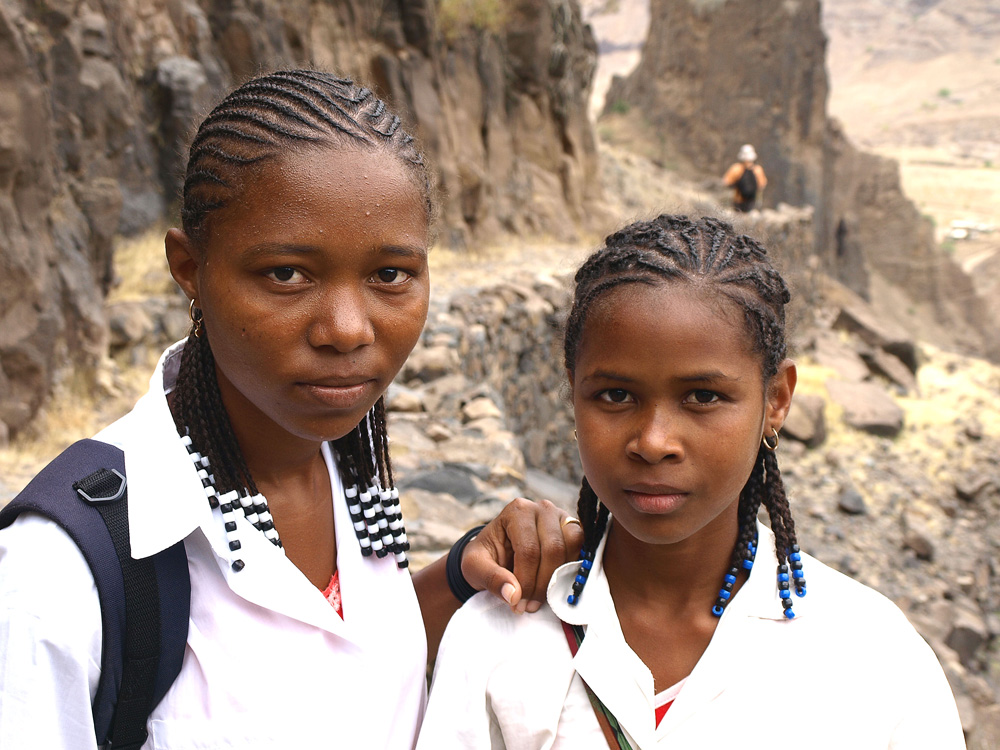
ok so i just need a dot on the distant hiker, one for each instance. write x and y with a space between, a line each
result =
747 179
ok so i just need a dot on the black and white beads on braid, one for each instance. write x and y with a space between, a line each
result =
375 512
378 522
372 498
253 507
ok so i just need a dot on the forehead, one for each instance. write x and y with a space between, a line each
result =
669 322
320 189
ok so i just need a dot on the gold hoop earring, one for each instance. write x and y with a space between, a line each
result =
767 445
575 436
197 321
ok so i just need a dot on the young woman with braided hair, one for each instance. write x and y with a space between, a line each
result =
685 623
262 445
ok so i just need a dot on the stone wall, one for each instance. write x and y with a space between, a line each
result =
99 100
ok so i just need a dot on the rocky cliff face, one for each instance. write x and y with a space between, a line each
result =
716 74
97 104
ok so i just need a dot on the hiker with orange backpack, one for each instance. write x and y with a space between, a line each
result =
747 179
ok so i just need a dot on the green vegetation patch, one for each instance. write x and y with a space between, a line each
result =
455 17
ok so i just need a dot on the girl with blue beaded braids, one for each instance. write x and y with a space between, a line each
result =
686 621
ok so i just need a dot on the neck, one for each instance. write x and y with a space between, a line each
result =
679 577
272 462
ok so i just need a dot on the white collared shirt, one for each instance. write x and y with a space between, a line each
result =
848 672
268 663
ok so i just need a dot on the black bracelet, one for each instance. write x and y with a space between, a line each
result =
461 588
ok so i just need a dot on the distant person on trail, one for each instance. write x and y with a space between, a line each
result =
747 179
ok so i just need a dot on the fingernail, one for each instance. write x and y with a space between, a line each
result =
521 607
534 606
507 592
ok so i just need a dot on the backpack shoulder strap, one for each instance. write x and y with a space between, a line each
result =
145 604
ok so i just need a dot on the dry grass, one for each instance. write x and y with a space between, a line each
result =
141 267
76 409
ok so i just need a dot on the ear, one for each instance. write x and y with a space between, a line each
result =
779 396
183 261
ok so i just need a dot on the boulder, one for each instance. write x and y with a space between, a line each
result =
429 363
878 332
851 501
130 324
481 408
969 487
891 368
399 398
447 480
867 407
830 351
968 636
806 422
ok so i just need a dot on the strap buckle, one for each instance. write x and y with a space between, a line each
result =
103 486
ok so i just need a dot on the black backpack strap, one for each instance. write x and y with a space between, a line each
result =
145 603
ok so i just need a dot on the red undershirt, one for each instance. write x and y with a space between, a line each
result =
332 594
661 711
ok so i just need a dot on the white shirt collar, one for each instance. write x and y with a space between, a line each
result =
166 498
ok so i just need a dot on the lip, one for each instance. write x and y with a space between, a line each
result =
655 499
340 392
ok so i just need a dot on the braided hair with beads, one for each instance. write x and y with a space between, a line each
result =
260 120
710 253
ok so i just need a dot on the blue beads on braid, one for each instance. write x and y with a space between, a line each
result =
744 561
798 577
594 520
586 563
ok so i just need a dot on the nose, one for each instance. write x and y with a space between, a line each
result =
341 320
656 438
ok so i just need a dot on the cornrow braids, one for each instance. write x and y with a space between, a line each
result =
281 112
707 253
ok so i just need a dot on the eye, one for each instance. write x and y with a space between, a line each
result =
285 275
615 395
390 276
702 396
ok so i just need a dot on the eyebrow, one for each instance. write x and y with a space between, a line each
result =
712 376
274 248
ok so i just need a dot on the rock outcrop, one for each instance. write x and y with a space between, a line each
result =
715 74
98 102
